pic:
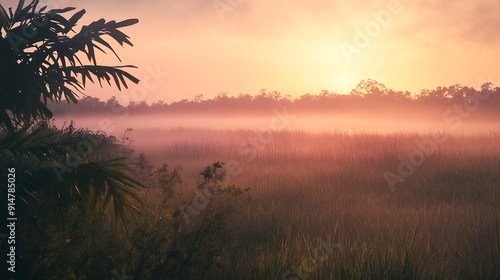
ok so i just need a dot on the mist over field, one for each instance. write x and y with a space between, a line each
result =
319 123
371 107
394 186
385 185
387 197
145 125
140 140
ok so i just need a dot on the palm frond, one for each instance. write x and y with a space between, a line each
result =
4 20
91 185
22 144
45 65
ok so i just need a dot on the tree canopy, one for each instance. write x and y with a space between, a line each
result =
44 60
41 59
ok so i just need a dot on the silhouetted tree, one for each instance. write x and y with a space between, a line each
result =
369 87
41 62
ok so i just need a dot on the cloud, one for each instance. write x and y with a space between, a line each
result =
483 23
455 21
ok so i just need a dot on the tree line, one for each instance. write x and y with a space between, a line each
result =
368 96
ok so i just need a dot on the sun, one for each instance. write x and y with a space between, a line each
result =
343 83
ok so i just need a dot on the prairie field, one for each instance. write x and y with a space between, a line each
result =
250 140
345 205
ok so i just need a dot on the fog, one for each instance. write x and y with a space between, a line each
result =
155 126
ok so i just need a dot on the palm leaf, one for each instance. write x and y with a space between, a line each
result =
4 20
23 144
46 66
93 184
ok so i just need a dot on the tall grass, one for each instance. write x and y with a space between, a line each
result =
321 208
440 223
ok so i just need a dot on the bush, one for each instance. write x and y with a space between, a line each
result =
174 236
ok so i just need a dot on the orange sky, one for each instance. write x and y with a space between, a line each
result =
299 47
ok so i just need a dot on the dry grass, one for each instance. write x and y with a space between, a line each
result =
442 222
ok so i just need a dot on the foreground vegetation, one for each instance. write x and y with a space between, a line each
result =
88 207
320 208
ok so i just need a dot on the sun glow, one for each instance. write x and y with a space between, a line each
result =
343 83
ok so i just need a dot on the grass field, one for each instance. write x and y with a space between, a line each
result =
322 208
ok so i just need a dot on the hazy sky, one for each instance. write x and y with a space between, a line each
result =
297 47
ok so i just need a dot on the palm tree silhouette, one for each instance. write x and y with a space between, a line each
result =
40 62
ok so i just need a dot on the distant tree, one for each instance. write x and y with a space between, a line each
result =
157 106
41 62
306 98
142 106
370 87
326 94
111 102
275 95
91 103
221 96
244 98
399 95
199 98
